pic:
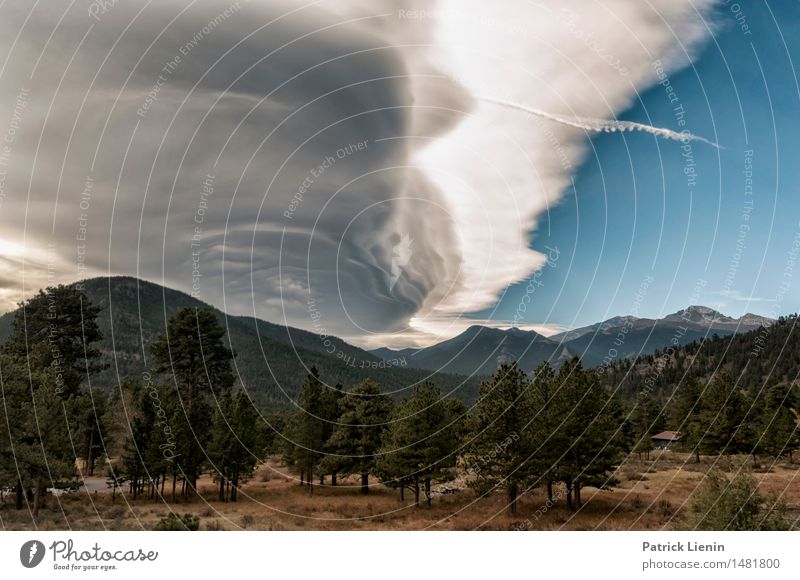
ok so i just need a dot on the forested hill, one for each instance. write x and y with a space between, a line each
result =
765 356
272 360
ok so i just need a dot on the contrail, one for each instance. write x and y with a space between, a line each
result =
600 125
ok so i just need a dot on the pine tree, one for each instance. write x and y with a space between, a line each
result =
685 414
357 437
545 438
330 412
647 420
116 420
590 437
778 433
723 410
421 442
39 419
65 320
499 440
235 448
146 460
311 434
193 354
47 356
91 408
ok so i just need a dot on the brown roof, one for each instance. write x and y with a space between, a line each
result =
668 436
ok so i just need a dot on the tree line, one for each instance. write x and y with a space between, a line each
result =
555 427
185 416
523 432
718 417
180 418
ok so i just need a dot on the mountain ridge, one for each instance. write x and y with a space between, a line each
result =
272 360
616 338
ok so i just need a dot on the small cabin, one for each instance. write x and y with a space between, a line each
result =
666 439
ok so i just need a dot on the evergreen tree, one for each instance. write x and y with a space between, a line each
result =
235 449
39 420
63 319
330 412
47 356
685 414
311 433
146 459
723 410
647 420
116 420
421 442
777 425
546 441
498 444
357 437
591 432
193 354
91 409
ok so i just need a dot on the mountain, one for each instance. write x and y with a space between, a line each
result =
272 360
754 360
641 336
616 322
479 349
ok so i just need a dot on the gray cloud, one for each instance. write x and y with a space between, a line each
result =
268 153
295 121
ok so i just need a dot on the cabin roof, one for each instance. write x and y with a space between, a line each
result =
668 436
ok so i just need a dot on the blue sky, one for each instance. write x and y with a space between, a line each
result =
634 216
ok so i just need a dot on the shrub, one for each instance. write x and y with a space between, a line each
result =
115 512
735 504
247 520
175 523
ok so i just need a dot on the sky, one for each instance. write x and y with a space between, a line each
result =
394 171
636 234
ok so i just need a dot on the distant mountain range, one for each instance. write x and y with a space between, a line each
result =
755 360
272 360
479 349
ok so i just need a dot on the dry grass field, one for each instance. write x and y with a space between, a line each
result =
651 494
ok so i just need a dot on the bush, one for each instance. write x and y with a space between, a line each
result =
247 520
665 508
735 504
174 523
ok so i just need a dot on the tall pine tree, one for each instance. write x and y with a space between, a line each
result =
192 353
357 438
499 439
421 442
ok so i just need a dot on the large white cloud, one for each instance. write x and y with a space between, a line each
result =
133 116
500 170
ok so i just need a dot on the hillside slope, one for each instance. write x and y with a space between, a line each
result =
272 360
754 360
